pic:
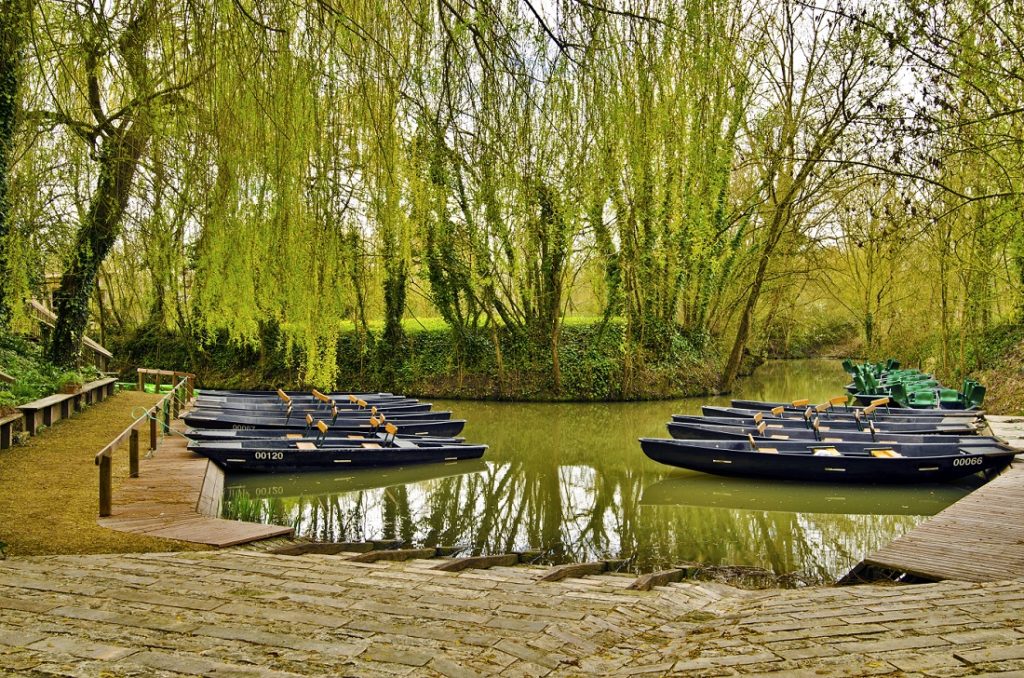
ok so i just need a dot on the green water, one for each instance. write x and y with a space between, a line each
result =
570 479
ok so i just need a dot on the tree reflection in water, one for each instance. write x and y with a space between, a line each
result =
570 479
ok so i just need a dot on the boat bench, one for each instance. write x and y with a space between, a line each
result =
47 410
59 406
95 391
9 425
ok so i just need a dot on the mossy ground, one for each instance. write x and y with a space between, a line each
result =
49 485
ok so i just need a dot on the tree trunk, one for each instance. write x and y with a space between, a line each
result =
778 224
12 12
732 367
118 162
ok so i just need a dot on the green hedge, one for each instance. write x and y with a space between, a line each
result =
434 362
34 377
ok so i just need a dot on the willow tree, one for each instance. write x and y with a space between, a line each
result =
102 75
273 248
671 91
382 61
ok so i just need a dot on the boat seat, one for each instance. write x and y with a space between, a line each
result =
372 446
757 448
294 436
885 453
776 436
305 446
355 437
826 452
831 440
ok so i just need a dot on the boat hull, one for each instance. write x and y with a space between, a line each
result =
729 459
695 431
896 408
429 427
240 420
879 416
267 459
782 425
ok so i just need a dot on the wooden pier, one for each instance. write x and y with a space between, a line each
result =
979 538
176 497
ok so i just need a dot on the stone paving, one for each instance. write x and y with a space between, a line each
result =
247 613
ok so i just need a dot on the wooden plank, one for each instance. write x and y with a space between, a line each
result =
573 570
646 582
323 548
478 562
979 538
396 554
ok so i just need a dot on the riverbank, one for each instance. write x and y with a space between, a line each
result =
1004 379
594 363
48 485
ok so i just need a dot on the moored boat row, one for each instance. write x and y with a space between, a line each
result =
268 432
834 441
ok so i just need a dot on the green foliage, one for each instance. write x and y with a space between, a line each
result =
34 376
71 378
992 347
592 355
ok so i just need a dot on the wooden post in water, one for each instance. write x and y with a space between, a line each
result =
153 414
105 485
133 454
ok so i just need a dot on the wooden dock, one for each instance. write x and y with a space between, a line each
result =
176 496
979 538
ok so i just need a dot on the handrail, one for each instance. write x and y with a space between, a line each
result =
169 406
142 372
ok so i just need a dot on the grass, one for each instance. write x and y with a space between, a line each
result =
49 486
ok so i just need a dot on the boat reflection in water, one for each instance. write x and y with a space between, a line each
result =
701 489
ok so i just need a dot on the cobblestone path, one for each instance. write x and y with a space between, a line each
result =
240 613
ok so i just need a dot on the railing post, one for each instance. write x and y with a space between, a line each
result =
191 387
105 485
133 454
153 414
158 380
167 417
174 402
140 380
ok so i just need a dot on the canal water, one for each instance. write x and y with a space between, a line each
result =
571 480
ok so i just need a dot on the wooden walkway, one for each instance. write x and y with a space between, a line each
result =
176 496
979 538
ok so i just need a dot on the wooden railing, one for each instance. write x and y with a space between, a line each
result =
160 414
158 376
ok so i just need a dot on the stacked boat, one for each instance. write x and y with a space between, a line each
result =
268 431
910 388
833 441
